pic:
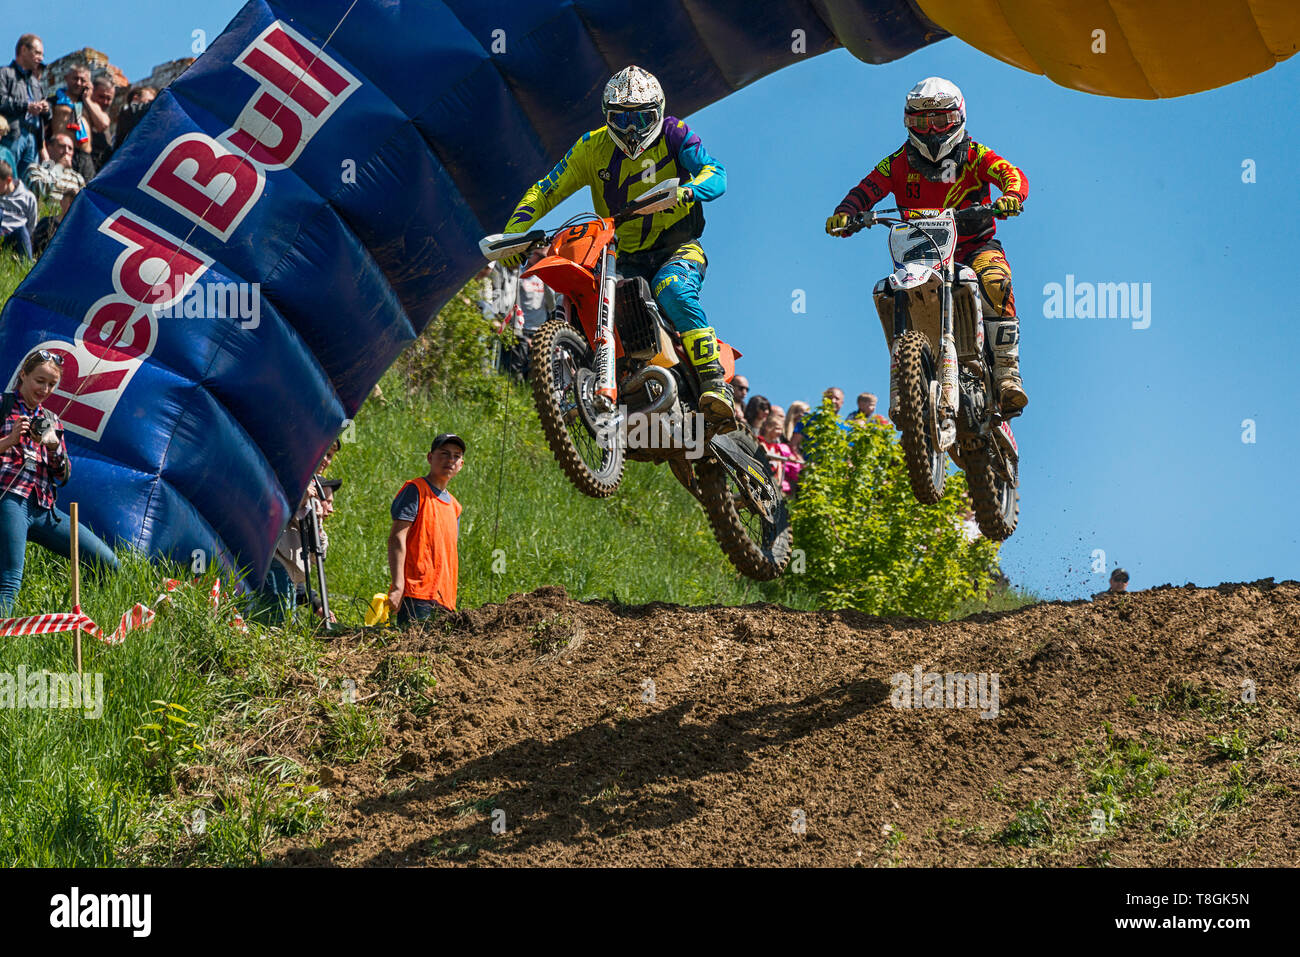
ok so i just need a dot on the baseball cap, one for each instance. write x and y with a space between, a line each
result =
1118 575
442 438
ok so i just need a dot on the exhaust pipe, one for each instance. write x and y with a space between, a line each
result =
666 380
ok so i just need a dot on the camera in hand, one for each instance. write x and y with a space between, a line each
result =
45 430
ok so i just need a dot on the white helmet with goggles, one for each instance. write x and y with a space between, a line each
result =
935 117
633 102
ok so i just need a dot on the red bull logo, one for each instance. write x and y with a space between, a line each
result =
212 182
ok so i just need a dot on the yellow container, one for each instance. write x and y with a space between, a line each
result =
377 613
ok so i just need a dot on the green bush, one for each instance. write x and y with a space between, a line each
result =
450 357
868 544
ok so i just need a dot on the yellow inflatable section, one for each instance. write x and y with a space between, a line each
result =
1131 48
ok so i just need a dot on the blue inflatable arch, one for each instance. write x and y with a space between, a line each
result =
303 200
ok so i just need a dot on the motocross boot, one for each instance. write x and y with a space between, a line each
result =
1006 365
715 399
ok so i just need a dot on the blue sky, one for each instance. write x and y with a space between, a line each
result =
1132 442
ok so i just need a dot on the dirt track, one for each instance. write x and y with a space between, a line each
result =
762 719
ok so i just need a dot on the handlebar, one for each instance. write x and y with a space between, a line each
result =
865 220
500 245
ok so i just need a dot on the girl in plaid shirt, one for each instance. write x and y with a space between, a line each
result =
28 472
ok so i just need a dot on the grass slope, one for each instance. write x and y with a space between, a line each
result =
524 525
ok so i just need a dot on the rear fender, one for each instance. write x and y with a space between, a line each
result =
728 354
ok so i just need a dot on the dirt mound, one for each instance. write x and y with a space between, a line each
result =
1157 728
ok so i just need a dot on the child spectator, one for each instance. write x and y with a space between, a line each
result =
798 409
422 545
6 154
783 458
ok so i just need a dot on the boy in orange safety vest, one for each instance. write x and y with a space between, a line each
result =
422 555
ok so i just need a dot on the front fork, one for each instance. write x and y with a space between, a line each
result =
606 388
949 397
945 396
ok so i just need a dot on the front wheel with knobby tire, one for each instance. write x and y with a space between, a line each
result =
564 385
927 466
759 546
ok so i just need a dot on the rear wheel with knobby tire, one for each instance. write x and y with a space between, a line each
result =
759 546
996 500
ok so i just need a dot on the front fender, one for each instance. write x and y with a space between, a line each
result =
910 277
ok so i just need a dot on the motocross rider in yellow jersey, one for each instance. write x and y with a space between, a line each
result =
637 147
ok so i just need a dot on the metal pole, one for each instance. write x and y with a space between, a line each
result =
76 584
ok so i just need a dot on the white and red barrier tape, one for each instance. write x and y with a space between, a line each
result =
140 616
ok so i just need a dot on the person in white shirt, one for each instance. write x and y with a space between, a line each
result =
17 212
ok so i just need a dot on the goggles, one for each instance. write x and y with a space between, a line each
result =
632 121
932 121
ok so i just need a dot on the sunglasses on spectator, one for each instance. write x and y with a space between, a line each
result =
47 356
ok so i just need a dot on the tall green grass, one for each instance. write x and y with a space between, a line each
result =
12 272
85 791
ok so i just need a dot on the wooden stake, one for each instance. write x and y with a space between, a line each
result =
76 583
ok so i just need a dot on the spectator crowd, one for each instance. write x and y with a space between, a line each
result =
54 141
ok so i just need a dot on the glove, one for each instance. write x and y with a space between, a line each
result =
685 196
1008 204
513 262
837 222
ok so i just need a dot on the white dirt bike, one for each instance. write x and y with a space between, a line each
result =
942 397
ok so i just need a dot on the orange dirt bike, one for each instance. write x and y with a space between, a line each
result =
612 382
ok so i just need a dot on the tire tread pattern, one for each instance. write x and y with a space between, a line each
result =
913 398
747 555
983 483
548 410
